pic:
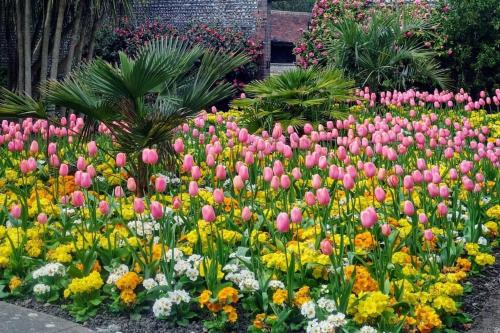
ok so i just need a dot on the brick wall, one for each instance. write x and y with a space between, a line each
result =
287 26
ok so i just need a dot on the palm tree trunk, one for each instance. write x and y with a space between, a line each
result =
27 47
45 43
57 39
74 38
20 47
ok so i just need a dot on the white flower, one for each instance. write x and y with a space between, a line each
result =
149 284
181 266
337 320
308 310
367 329
178 296
116 274
51 269
192 274
482 241
161 279
41 289
231 268
313 327
249 284
162 307
327 304
174 253
276 284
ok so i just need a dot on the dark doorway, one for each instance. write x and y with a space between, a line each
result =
282 52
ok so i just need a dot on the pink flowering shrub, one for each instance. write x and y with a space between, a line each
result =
328 13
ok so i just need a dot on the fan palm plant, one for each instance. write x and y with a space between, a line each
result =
143 99
386 53
294 98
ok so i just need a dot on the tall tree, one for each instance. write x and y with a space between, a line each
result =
20 46
45 41
57 40
27 47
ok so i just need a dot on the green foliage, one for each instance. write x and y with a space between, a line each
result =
294 98
293 5
143 99
384 54
473 41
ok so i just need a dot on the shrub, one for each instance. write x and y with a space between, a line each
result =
472 28
385 53
327 14
294 98
129 39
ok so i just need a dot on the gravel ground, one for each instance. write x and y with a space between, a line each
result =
477 304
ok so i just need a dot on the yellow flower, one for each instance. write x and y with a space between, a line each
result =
230 311
228 295
128 281
280 296
368 306
445 303
128 297
483 259
302 296
87 284
427 319
14 283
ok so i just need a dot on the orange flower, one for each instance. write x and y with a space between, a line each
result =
128 281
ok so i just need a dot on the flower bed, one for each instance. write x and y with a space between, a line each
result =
366 224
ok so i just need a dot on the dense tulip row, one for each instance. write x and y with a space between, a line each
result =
368 224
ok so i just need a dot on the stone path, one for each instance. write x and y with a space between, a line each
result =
15 319
489 319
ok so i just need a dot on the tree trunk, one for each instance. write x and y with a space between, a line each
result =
57 39
27 47
45 43
95 27
74 38
20 50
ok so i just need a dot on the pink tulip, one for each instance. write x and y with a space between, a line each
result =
85 180
326 247
218 196
243 172
160 184
369 217
63 169
316 181
285 182
379 194
149 156
282 222
422 218
408 208
177 203
156 210
193 188
131 185
92 148
348 182
118 192
386 230
268 174
42 218
187 163
139 206
77 198
34 147
246 214
81 164
220 172
208 213
442 209
238 183
296 215
120 160
310 198
323 196
52 148
103 207
179 146
369 169
15 211
428 235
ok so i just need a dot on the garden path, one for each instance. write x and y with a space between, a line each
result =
16 319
